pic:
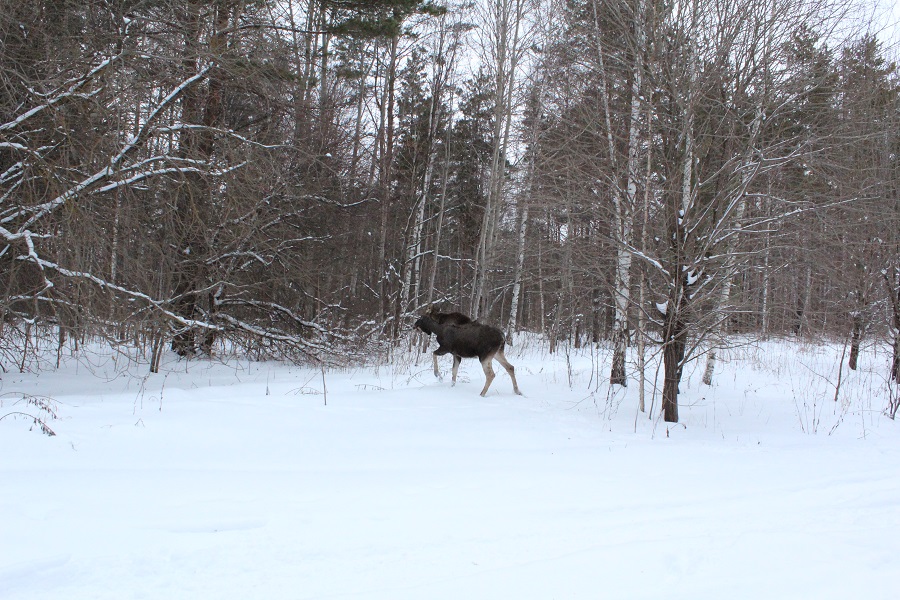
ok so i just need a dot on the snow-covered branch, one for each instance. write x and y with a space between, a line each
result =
133 142
158 305
282 310
70 91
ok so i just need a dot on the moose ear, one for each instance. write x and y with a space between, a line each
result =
430 310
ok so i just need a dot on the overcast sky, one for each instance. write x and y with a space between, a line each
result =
890 16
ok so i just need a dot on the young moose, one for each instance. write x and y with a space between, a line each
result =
467 340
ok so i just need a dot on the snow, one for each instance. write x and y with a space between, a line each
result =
233 479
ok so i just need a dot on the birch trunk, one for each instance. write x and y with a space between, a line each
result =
747 169
508 15
386 163
517 274
764 326
440 221
623 204
721 311
645 234
524 202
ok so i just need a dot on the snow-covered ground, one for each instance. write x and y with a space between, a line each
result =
242 480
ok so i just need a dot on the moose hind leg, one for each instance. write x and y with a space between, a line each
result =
501 358
488 373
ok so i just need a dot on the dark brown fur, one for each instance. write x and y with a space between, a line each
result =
451 318
467 340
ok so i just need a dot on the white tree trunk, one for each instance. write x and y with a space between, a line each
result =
505 19
520 266
623 204
413 252
765 290
642 319
747 170
444 72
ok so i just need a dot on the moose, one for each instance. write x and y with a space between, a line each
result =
458 335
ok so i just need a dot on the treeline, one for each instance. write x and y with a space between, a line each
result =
296 179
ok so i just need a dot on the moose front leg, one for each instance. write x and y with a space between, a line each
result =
437 372
456 361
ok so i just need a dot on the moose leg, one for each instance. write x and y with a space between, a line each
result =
437 373
488 373
456 361
501 358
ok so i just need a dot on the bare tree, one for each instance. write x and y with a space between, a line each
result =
625 170
506 39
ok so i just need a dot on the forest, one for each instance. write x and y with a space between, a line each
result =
299 179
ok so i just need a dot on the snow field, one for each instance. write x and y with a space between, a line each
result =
234 479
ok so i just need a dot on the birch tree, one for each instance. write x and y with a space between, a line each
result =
442 53
504 43
619 45
756 53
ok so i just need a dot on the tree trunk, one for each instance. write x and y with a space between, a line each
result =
855 338
439 227
413 276
193 197
623 203
895 364
801 318
524 201
509 15
675 327
519 268
893 288
642 293
767 282
674 343
386 143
